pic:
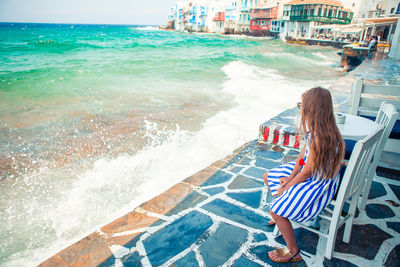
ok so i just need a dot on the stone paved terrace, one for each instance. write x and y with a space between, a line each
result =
219 216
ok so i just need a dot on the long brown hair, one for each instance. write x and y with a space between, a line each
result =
327 146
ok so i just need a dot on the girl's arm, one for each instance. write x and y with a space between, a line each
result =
296 168
300 177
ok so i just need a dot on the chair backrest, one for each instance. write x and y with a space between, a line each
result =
366 99
387 116
357 168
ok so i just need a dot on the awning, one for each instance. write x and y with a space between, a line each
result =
351 30
381 21
324 27
348 29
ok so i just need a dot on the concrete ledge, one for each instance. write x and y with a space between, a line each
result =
89 251
163 203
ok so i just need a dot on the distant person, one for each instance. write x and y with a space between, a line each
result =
301 189
372 44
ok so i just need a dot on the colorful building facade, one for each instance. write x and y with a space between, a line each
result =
231 17
301 16
219 21
296 18
243 23
261 20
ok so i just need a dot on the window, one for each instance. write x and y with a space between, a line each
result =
392 10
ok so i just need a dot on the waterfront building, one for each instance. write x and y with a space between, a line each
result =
302 16
261 19
369 9
171 18
243 23
278 24
200 15
219 20
216 23
231 17
178 15
197 16
379 18
382 28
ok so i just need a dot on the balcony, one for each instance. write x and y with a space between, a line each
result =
260 25
203 11
325 19
277 26
220 16
260 28
264 13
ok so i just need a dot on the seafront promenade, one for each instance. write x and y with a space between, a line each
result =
219 215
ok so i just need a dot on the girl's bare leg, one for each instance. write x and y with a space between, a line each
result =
286 229
265 176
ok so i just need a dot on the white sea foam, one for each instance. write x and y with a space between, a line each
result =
115 186
242 36
147 28
326 60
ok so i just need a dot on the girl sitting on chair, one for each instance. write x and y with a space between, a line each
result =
303 188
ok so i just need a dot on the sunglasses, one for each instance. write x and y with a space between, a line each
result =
299 105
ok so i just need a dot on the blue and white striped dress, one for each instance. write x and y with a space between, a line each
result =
304 201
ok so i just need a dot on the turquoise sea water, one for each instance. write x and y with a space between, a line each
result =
96 119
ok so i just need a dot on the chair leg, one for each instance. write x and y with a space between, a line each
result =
330 242
349 223
276 231
365 192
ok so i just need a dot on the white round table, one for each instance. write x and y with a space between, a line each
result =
356 127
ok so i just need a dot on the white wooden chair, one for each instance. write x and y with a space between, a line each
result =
349 191
387 116
366 99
